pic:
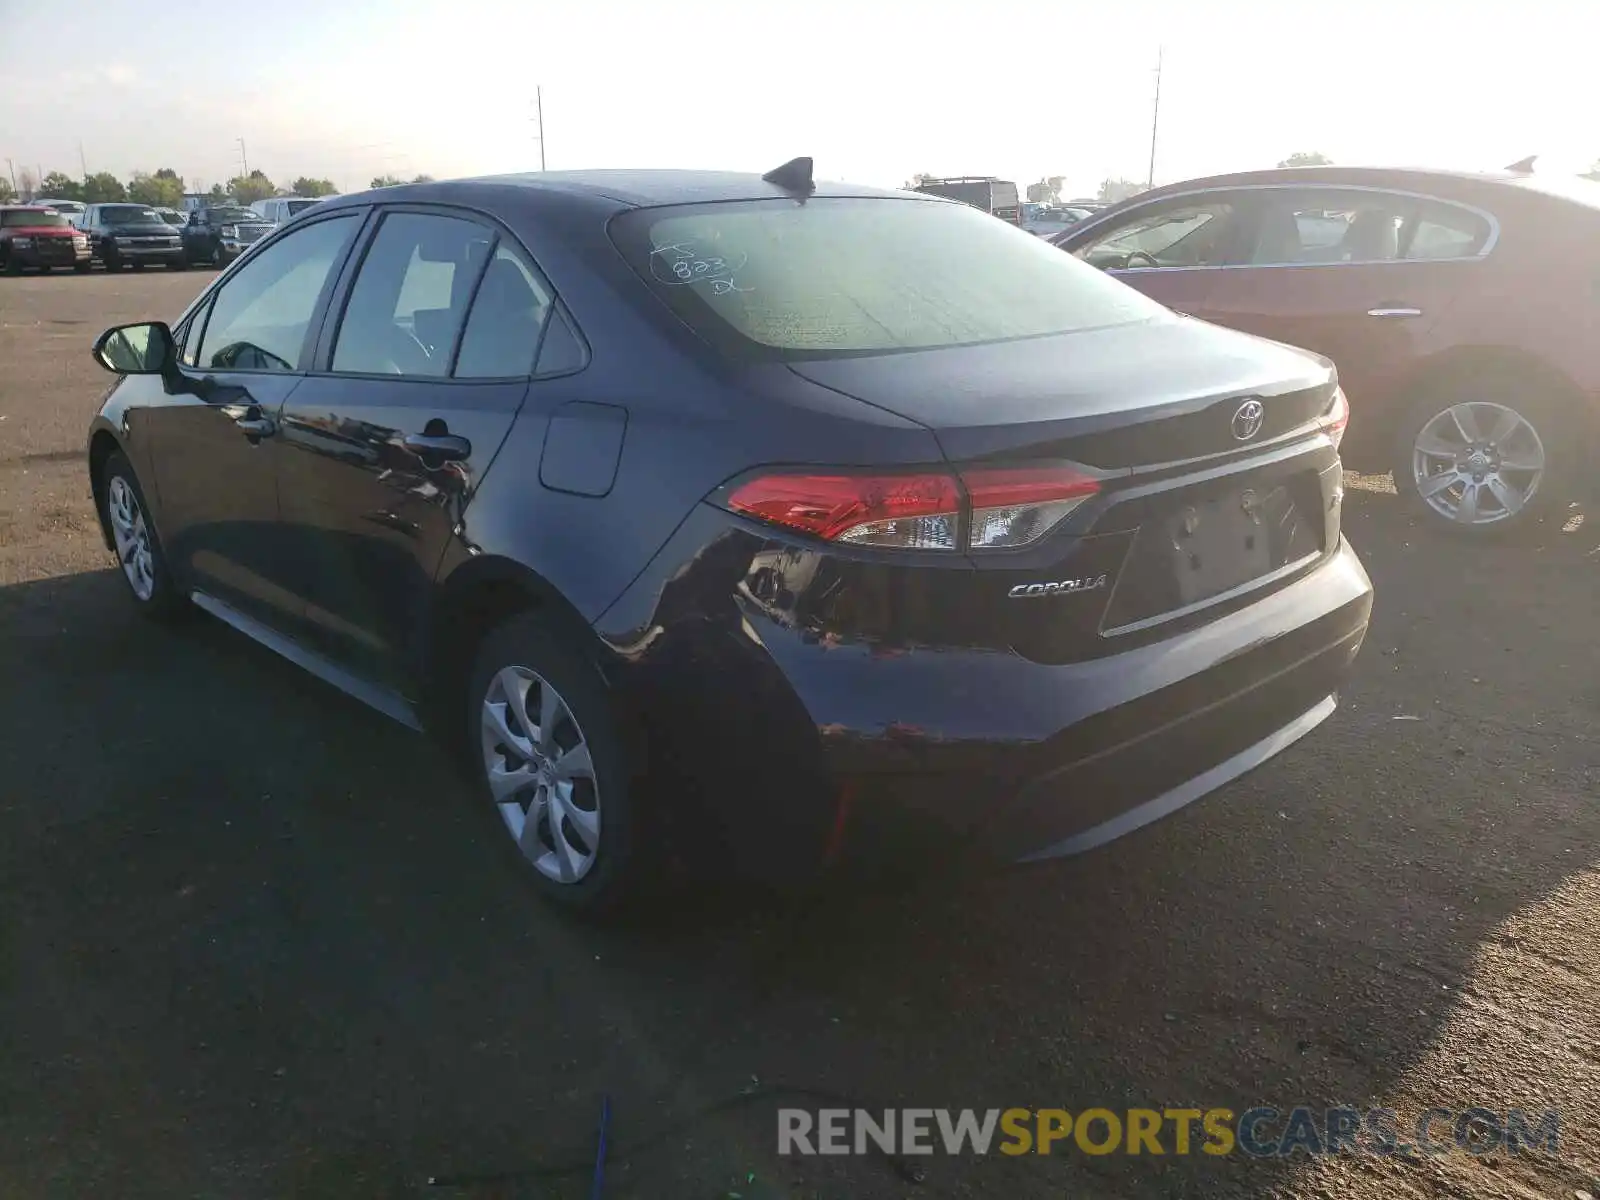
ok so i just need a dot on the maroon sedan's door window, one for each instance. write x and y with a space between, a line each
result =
1165 249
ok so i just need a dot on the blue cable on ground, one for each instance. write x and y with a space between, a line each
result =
600 1153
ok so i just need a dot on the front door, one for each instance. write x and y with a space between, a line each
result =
216 436
424 371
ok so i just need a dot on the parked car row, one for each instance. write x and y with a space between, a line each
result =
138 235
1458 308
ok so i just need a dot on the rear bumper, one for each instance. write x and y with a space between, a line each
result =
795 750
1104 747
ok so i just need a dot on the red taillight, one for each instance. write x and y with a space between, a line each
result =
1336 418
908 512
1013 506
1006 507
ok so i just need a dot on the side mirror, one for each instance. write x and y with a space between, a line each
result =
144 349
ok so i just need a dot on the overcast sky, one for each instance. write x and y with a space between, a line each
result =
875 90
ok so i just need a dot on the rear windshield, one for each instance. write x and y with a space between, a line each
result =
33 218
296 207
827 278
230 215
128 214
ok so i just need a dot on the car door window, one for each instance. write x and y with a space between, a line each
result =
1296 226
189 337
1181 233
508 316
261 314
410 297
1445 231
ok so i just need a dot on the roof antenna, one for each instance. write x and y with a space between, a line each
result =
1524 167
793 176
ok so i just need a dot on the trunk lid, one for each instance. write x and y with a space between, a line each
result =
1120 397
1198 513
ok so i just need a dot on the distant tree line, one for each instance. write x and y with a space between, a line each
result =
165 188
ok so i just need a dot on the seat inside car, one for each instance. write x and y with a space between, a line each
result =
1373 236
1279 238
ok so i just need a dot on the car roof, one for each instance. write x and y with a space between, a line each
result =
1367 176
613 189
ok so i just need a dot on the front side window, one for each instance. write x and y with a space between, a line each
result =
508 315
411 295
838 276
262 313
1327 225
1182 233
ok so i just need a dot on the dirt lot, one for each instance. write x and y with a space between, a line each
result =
249 945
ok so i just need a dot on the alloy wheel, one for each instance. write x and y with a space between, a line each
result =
131 533
541 775
1477 463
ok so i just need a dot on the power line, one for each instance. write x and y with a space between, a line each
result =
1155 121
538 103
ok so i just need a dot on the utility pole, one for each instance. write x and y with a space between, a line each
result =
538 104
82 161
244 158
11 167
1155 122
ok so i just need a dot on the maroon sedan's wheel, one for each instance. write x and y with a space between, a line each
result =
1486 454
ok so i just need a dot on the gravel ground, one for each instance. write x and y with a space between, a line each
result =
250 946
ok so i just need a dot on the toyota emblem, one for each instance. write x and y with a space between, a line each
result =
1247 420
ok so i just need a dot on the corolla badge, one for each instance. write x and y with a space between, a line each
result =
1059 587
1247 420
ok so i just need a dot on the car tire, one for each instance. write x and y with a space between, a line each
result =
111 260
82 268
177 264
578 771
137 265
140 558
1486 454
12 266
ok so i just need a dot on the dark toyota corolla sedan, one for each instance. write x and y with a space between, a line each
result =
767 525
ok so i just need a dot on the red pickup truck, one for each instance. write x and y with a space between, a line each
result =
42 238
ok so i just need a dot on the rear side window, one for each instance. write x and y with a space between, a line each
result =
1445 231
829 277
410 298
508 315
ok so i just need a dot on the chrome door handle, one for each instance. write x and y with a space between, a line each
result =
1394 312
254 426
446 446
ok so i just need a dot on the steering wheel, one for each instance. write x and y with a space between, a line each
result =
1147 260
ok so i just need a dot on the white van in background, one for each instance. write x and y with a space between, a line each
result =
279 209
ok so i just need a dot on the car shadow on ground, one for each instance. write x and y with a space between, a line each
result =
253 942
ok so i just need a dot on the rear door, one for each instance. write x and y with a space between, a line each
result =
422 369
1168 248
1358 274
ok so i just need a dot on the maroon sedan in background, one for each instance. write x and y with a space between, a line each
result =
41 238
1462 312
